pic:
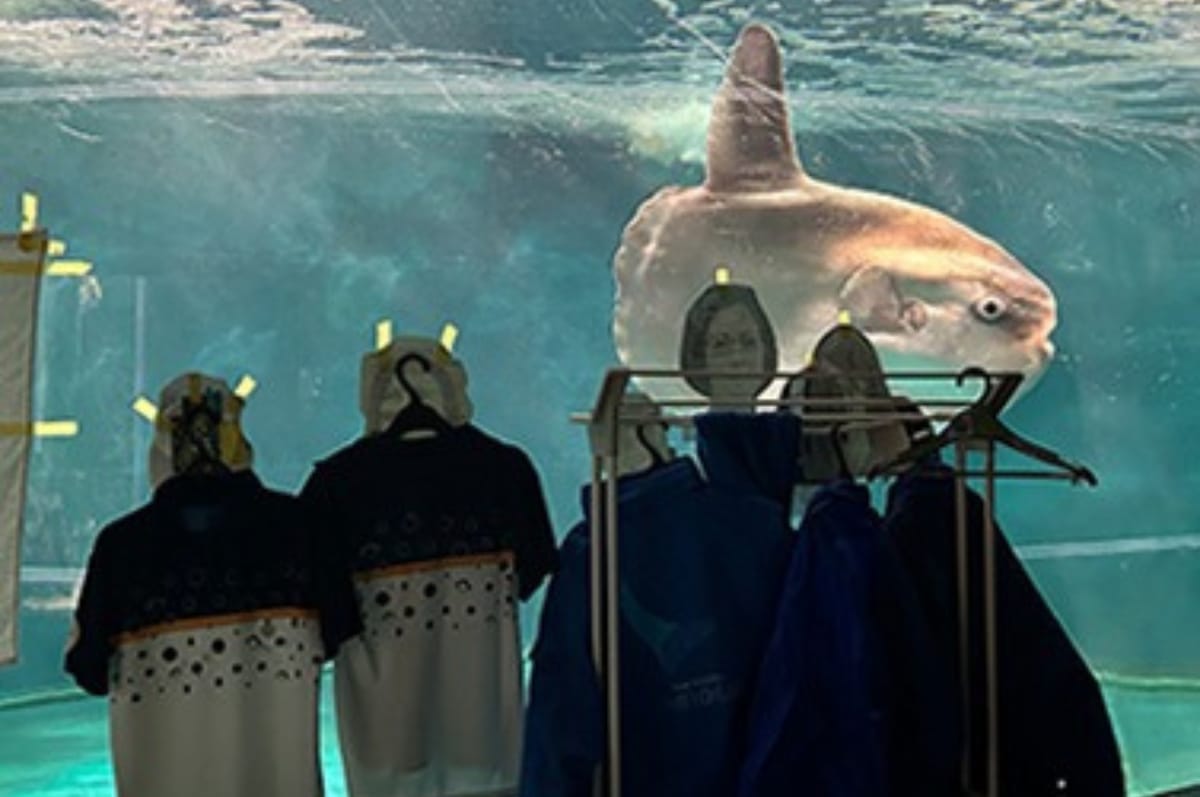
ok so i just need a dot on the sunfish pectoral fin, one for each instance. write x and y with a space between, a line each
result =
749 136
873 299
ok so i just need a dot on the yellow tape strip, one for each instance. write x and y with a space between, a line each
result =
245 386
146 408
449 337
39 429
445 349
722 275
56 248
55 428
68 268
383 335
29 212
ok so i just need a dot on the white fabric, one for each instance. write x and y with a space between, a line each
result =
429 696
20 263
443 387
170 404
224 707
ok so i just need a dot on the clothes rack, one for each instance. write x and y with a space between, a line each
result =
608 416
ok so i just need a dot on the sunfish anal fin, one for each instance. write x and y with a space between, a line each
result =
749 135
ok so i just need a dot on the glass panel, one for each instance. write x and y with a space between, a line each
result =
258 188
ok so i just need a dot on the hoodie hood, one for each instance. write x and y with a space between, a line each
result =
931 479
838 496
672 478
750 453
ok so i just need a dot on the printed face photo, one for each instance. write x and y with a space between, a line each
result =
726 329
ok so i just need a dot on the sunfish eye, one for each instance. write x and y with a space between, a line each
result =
990 308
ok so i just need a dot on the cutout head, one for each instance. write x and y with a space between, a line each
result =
443 386
727 329
198 429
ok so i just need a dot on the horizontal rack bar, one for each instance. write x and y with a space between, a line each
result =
983 474
669 373
863 418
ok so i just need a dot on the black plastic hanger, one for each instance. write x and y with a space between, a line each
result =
918 427
196 436
656 456
417 416
981 423
836 438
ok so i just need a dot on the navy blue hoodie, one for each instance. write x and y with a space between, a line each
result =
701 562
849 702
1055 734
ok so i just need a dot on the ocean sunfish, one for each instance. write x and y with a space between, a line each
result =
927 291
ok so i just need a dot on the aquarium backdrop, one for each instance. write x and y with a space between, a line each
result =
259 182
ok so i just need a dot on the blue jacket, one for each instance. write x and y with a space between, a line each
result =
847 703
1055 734
701 561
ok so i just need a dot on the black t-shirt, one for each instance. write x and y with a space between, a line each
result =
395 502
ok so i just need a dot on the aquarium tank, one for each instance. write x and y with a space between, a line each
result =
257 184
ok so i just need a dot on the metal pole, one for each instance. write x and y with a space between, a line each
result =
596 561
596 549
826 403
137 482
612 625
862 419
612 593
989 620
964 622
604 434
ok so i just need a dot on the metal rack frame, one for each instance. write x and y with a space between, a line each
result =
604 423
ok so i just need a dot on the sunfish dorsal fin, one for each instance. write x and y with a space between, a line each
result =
749 136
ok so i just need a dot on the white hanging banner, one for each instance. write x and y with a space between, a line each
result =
21 263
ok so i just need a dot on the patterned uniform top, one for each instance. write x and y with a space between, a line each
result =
444 536
205 616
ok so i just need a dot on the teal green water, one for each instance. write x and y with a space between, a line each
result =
60 749
256 191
